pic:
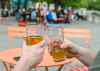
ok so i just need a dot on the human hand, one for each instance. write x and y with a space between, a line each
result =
71 49
67 46
30 57
81 53
53 44
33 54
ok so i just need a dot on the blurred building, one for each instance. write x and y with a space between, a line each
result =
4 3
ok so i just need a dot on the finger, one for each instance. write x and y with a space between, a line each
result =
64 45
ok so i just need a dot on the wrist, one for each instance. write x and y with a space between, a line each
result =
22 65
27 60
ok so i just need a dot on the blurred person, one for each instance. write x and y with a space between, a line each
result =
39 13
18 14
45 10
23 13
51 16
67 18
71 14
39 16
38 5
52 11
45 6
59 12
12 13
5 12
60 15
51 7
77 17
33 14
28 14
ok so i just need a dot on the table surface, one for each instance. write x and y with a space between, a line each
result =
9 55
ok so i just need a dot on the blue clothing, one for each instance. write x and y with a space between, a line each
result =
33 15
18 15
51 16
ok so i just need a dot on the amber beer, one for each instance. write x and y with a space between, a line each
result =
32 40
56 52
58 55
56 39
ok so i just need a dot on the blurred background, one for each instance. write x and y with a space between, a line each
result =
89 4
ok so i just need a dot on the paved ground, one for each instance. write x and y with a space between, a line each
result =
93 26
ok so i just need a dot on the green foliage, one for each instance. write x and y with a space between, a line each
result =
72 3
90 4
94 4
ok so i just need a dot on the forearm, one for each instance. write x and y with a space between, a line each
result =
85 54
30 57
22 65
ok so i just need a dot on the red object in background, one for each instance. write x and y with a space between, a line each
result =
59 20
22 23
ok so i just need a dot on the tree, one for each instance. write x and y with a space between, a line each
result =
94 4
72 3
90 4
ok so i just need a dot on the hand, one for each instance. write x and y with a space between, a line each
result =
67 46
53 44
34 53
30 56
71 49
82 53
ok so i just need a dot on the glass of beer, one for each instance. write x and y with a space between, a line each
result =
56 38
32 40
33 36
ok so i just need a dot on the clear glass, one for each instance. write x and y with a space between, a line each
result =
56 38
56 33
34 35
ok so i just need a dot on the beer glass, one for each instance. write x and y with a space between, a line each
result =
34 35
56 38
